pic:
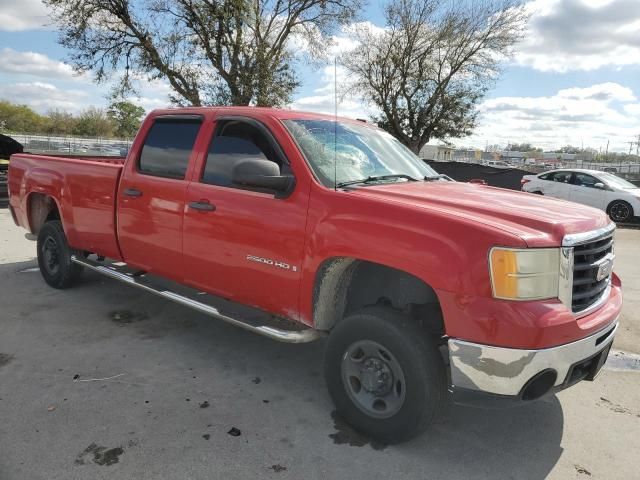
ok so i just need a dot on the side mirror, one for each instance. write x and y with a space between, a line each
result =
258 173
599 185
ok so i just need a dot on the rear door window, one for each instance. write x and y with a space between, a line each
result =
562 177
168 146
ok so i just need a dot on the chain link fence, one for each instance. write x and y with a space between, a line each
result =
72 145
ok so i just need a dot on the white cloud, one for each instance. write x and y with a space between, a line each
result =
576 116
32 63
152 94
565 35
323 99
43 96
335 45
17 15
633 109
602 91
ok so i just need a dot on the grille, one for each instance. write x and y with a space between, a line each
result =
588 257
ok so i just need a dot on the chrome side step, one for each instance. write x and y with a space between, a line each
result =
253 320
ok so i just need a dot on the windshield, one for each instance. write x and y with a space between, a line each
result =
345 152
616 182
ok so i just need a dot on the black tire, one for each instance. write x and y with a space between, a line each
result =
422 369
620 211
54 256
537 193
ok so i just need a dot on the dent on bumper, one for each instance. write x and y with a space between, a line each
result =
505 371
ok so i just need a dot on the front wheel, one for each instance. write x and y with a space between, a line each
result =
385 375
620 211
54 256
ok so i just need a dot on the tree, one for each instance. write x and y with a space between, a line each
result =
210 51
522 147
570 149
19 118
432 64
93 122
126 117
59 122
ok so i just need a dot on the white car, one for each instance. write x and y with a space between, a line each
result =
619 198
498 164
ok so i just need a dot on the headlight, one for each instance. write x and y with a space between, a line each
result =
527 274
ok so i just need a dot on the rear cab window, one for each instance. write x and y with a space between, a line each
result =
168 146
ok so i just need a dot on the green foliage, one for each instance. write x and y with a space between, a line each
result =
126 117
94 122
59 122
122 120
19 118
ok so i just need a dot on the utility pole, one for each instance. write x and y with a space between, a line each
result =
636 143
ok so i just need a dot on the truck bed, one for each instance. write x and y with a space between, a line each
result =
84 188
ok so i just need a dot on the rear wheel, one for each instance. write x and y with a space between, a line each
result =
54 256
620 211
385 374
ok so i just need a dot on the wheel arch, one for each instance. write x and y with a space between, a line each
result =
41 208
344 285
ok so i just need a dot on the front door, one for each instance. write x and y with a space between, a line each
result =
152 194
242 244
584 191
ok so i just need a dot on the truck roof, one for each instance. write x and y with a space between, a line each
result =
272 112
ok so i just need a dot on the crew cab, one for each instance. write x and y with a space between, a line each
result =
299 226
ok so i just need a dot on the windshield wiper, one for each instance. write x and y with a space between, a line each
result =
376 178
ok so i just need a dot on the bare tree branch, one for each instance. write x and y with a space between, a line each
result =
210 51
433 63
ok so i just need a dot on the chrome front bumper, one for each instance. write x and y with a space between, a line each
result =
506 371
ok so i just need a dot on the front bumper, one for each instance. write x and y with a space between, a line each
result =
525 374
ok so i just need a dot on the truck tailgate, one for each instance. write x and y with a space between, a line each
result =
84 189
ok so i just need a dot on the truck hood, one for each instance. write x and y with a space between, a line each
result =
539 221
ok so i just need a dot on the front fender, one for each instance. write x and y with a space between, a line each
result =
447 253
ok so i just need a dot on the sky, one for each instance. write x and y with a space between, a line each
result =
574 79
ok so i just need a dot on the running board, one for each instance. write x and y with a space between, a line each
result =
253 320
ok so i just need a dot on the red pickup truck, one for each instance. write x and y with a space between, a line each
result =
299 226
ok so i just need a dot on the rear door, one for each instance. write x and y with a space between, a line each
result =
152 196
247 245
584 191
558 184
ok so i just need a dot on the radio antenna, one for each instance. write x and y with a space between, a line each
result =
335 124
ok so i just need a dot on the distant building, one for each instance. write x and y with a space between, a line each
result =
439 153
515 158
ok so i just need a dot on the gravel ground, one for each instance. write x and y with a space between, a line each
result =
103 381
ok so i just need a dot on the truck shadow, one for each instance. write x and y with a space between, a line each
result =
522 442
